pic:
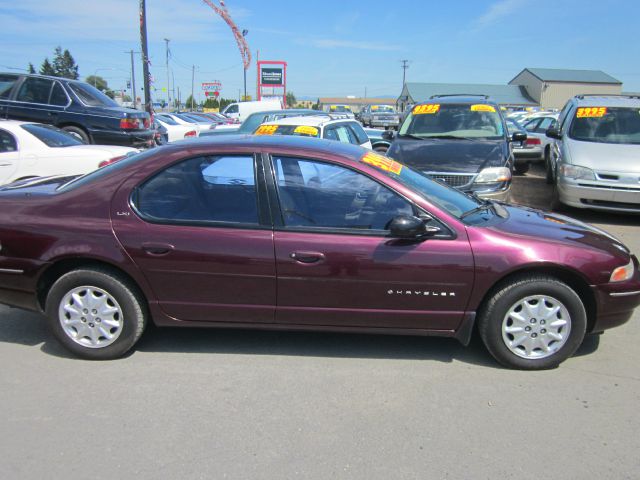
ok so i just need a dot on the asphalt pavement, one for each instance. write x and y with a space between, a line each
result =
211 404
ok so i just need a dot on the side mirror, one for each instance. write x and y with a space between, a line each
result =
388 135
410 227
553 133
519 137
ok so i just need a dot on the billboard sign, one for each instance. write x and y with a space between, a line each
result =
211 86
271 76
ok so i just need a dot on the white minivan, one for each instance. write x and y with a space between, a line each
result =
242 110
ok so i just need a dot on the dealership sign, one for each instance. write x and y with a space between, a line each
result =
214 86
271 76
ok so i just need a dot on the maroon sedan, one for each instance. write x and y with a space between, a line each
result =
298 233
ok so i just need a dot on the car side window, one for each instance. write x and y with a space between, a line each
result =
7 142
359 133
6 84
544 124
345 135
232 109
316 194
58 96
35 90
531 125
330 133
202 189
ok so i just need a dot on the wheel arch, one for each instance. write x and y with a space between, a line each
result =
60 267
572 278
76 125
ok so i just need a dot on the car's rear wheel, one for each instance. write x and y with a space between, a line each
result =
77 132
535 322
95 313
547 164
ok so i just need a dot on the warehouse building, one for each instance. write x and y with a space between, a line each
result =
505 95
551 87
355 103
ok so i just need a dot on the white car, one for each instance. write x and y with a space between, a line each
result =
180 120
322 126
175 130
36 150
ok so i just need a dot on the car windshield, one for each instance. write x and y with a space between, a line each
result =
443 196
434 120
51 136
382 109
619 125
295 130
340 108
252 122
91 96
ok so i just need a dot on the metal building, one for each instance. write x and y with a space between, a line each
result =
551 87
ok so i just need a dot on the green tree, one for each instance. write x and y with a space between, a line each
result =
31 68
47 68
190 102
211 103
98 82
64 64
291 99
126 98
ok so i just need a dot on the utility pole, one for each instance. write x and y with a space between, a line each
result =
193 75
167 63
405 65
133 82
145 57
244 34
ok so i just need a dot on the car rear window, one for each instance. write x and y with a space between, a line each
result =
91 96
51 136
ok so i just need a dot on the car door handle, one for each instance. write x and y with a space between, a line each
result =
157 249
307 257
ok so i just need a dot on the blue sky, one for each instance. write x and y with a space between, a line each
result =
333 48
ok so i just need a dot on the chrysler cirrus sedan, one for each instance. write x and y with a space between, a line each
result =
301 233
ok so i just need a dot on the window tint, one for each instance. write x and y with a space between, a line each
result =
51 136
345 135
202 189
58 96
317 194
6 84
232 109
7 142
35 90
166 119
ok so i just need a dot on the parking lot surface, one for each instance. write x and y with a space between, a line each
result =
247 404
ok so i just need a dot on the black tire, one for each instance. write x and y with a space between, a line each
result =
381 149
556 204
132 316
521 168
547 164
78 133
494 314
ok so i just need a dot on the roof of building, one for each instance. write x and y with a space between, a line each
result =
501 94
564 75
356 101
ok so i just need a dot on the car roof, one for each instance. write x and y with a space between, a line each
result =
607 100
460 99
309 120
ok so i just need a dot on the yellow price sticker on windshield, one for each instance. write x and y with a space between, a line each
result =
482 107
591 112
306 130
374 108
383 163
427 109
266 129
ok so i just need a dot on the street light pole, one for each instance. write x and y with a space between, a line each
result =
167 64
133 82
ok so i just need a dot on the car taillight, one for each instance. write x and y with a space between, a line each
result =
129 123
533 141
104 163
190 133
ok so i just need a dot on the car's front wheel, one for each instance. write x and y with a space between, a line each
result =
533 323
95 313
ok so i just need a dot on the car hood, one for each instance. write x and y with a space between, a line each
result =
605 156
529 223
441 155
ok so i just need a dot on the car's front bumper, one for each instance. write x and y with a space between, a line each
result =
599 195
616 301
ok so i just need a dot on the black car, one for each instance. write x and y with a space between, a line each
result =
74 106
460 140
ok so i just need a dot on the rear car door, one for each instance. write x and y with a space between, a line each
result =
7 84
198 232
337 265
9 156
39 100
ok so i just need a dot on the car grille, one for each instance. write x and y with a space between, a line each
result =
453 180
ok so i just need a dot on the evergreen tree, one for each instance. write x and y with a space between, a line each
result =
190 103
47 68
64 64
31 68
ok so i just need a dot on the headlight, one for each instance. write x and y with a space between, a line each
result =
577 173
493 175
621 274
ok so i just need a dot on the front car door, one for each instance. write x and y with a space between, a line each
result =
9 156
337 265
198 233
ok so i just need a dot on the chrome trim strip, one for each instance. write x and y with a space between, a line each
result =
11 270
624 294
